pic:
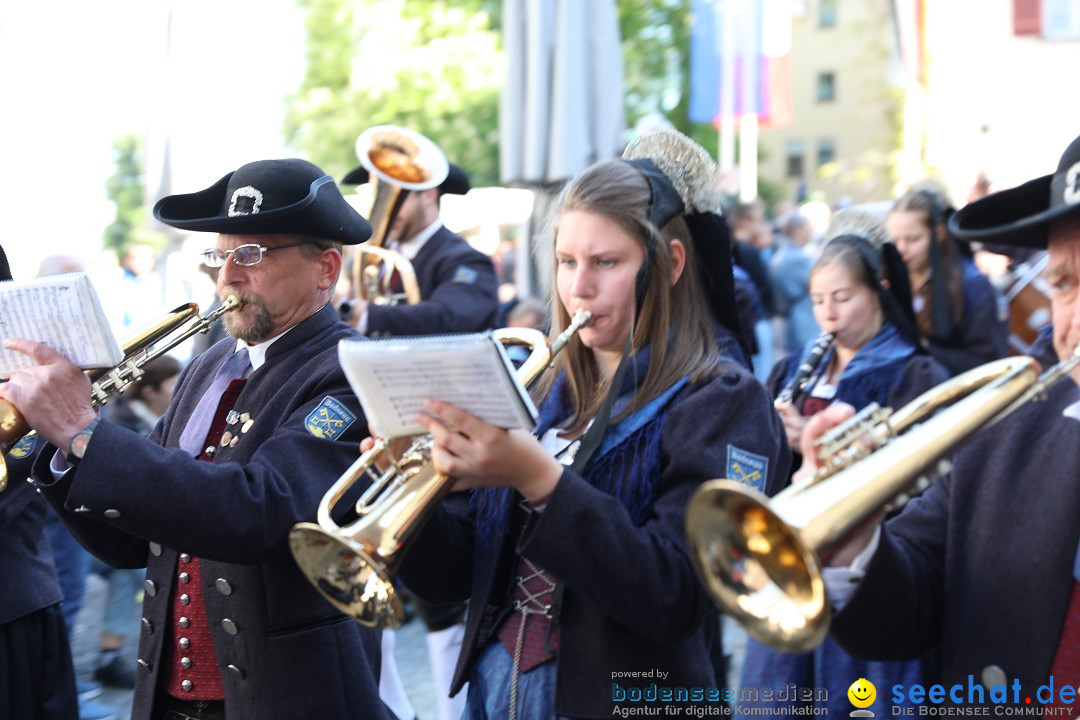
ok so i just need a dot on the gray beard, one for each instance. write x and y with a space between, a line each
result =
254 330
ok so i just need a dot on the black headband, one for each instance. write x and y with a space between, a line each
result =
664 205
711 238
887 265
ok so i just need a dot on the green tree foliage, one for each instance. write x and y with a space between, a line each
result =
126 191
434 66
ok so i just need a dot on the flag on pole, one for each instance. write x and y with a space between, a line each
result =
761 55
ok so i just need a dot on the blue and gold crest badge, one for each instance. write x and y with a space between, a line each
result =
23 448
746 467
329 419
464 276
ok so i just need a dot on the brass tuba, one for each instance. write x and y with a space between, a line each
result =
110 381
396 159
761 559
353 565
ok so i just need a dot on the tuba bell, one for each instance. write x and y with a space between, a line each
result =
396 159
353 565
105 383
761 559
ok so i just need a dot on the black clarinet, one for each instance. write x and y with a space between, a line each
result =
797 385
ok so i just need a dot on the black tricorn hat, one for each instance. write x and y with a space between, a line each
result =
269 197
5 269
456 182
1023 215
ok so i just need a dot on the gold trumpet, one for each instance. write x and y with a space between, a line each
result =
353 565
396 159
761 559
106 382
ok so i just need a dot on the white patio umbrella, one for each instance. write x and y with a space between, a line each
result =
562 103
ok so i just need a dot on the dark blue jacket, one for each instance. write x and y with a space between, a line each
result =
134 503
632 600
458 290
984 333
26 561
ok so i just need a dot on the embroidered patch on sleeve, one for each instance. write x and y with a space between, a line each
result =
746 467
23 448
464 275
329 420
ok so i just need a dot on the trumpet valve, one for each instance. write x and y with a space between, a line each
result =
854 439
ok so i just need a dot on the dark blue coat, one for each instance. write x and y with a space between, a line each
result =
984 333
26 560
632 601
458 291
983 562
133 503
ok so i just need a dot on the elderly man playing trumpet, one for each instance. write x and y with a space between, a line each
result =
260 425
986 563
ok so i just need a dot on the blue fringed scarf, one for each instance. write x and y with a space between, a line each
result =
873 372
626 465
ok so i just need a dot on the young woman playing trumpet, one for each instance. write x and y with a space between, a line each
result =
570 544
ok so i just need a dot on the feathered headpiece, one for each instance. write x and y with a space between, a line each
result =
685 180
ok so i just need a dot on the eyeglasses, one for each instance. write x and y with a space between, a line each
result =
244 255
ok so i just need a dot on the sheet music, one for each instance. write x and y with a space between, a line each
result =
394 377
62 311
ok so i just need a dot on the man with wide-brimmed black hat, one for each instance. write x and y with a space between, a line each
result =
259 428
458 284
986 563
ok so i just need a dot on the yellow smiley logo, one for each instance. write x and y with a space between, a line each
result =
862 693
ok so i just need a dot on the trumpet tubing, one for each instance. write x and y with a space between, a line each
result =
353 565
761 559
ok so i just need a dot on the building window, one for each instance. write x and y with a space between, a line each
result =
827 14
826 151
795 152
826 87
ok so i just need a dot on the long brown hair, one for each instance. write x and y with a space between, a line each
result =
619 192
945 269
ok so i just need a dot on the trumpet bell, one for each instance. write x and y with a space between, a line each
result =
401 157
756 566
396 159
349 574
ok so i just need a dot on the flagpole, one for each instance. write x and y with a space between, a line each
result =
750 33
725 21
